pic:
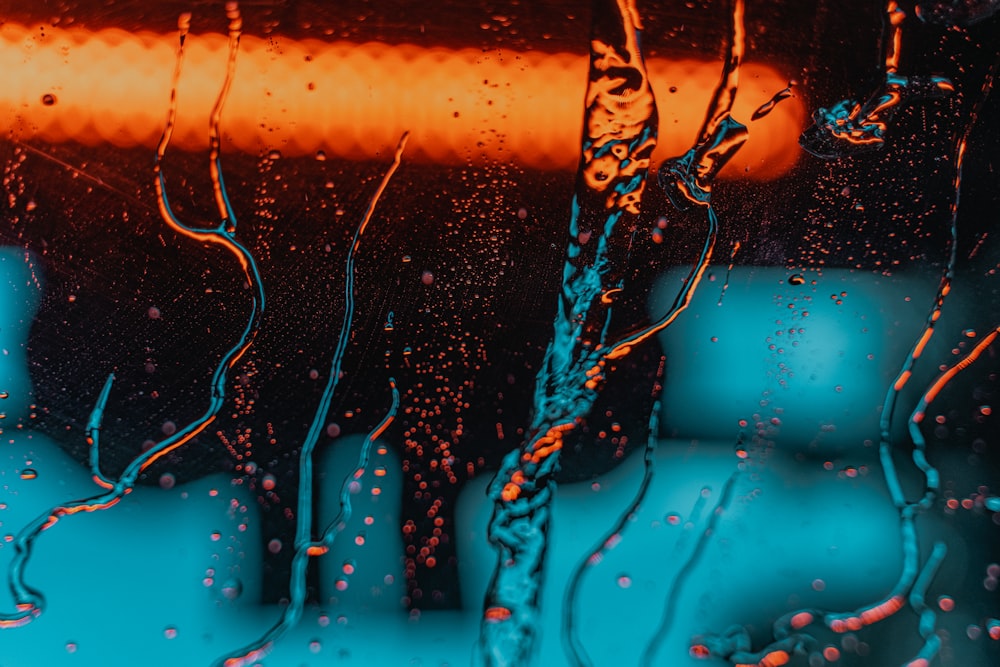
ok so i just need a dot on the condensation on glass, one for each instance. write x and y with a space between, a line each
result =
509 333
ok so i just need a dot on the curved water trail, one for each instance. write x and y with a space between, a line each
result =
305 545
789 630
29 601
681 578
572 643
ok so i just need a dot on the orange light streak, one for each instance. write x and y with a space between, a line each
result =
155 456
772 659
497 614
869 616
352 100
896 17
102 482
960 366
904 377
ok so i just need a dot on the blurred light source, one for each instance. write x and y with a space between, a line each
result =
352 100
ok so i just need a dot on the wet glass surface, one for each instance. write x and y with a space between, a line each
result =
422 333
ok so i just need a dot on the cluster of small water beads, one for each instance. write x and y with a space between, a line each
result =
29 601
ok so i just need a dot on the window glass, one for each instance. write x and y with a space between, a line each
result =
419 333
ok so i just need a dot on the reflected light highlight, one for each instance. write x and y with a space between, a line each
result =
352 100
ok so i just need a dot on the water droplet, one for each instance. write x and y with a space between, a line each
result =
315 646
321 155
624 581
153 313
170 632
427 277
167 480
232 588
29 473
274 154
796 279
274 546
4 394
268 482
48 99
169 428
333 430
71 647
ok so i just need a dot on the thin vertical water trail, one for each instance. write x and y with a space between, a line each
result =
729 271
620 130
305 545
572 644
789 630
681 578
926 614
734 644
851 128
325 541
94 433
29 601
687 179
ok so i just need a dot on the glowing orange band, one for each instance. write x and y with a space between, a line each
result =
353 100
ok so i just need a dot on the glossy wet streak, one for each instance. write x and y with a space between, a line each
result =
620 126
305 545
573 645
30 601
914 578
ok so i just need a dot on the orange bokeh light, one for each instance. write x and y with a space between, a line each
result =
353 100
